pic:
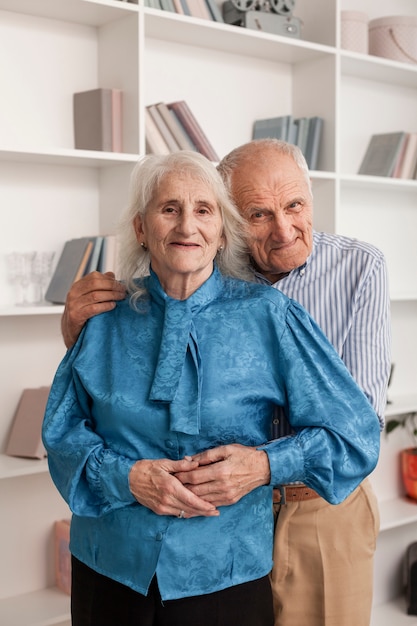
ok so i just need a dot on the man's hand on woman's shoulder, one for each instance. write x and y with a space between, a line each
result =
92 294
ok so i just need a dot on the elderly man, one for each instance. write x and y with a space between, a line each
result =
323 553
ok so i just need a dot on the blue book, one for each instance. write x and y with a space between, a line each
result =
95 255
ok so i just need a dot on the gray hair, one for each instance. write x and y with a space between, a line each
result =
239 155
147 175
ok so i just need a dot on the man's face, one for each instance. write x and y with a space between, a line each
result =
273 195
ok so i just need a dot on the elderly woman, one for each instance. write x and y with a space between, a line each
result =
195 359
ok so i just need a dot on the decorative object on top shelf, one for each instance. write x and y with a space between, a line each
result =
394 37
273 16
408 456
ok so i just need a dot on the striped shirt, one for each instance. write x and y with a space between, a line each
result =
344 287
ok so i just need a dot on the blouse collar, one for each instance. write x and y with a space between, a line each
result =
179 373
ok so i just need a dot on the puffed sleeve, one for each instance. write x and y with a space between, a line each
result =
91 478
337 435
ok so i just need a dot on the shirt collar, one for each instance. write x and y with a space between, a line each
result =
300 271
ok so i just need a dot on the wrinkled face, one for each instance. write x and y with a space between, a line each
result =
273 195
182 229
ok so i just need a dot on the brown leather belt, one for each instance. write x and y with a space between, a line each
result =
293 493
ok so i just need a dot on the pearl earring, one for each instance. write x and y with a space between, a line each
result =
143 246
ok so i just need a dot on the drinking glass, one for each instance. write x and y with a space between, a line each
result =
41 273
19 269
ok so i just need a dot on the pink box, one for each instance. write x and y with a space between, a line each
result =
394 38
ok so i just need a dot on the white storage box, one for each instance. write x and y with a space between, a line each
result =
354 31
394 38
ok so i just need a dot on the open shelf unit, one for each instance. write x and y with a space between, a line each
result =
51 192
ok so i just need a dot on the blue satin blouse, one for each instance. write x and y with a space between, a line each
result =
178 377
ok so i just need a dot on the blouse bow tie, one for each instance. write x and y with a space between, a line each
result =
178 374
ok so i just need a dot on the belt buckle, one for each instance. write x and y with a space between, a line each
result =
281 490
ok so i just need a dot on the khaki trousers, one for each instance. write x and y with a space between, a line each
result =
323 561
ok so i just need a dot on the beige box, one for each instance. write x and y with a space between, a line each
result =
354 31
394 38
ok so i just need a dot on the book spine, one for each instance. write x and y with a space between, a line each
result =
185 7
178 7
175 127
410 158
92 116
95 255
116 115
155 143
84 261
313 141
214 10
163 128
193 129
167 5
198 8
108 257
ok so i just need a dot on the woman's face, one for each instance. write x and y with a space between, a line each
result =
182 229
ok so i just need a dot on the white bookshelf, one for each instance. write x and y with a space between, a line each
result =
50 192
45 607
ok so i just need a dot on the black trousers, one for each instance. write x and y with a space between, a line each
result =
99 601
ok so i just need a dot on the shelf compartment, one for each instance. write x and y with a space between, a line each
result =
89 12
401 405
231 39
39 608
397 512
392 613
378 69
11 467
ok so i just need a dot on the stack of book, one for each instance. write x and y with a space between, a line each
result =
204 9
80 257
98 120
304 132
391 154
171 127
